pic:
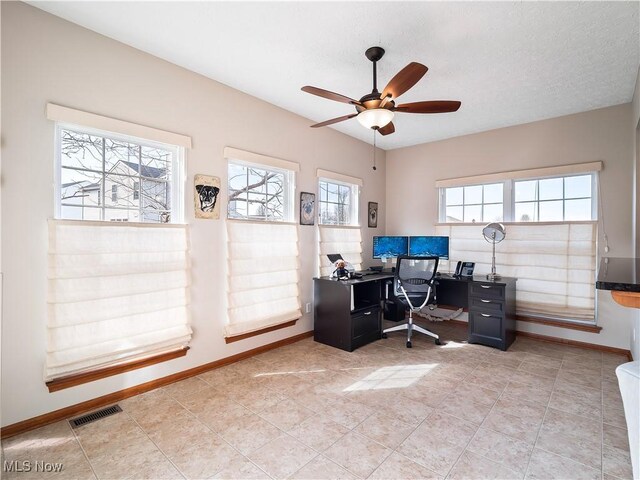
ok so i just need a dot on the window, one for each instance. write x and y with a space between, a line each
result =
337 203
259 192
118 288
143 179
550 245
263 261
553 199
475 203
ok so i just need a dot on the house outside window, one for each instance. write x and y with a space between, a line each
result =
143 179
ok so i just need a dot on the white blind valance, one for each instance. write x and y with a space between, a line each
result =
338 177
573 169
116 293
250 157
72 116
555 265
262 285
343 240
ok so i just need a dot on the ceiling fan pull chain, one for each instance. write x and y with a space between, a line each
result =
374 149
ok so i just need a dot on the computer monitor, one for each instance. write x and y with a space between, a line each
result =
389 247
429 247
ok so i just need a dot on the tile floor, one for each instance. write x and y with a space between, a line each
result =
308 411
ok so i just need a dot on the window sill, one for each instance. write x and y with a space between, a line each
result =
80 378
242 336
559 323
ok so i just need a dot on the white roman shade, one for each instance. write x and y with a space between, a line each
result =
117 293
263 275
555 265
346 241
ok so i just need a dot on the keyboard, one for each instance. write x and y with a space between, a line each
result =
364 273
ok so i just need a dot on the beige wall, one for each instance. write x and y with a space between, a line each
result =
46 59
596 135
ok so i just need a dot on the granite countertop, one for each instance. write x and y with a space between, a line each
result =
622 274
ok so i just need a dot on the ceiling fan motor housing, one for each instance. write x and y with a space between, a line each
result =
374 53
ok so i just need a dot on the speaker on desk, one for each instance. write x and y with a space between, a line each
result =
393 311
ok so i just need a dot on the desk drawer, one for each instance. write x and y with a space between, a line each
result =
366 321
486 305
486 290
485 325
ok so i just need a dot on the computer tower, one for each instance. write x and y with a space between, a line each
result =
394 311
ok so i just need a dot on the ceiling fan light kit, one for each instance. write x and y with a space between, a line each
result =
376 110
375 118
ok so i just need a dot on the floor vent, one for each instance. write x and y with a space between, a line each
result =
93 416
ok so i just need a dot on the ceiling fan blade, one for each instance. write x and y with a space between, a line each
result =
330 95
387 129
434 106
334 120
404 80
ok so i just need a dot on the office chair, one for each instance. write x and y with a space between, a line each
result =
412 285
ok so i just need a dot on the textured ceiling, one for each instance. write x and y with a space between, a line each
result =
509 63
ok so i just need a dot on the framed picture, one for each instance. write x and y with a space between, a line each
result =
205 196
307 208
373 214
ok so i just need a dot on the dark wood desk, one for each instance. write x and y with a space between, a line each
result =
348 314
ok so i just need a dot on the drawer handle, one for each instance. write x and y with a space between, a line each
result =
485 315
485 301
367 313
485 286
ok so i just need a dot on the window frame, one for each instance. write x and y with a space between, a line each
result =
176 182
509 203
354 207
289 189
443 200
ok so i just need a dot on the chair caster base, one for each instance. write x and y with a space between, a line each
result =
384 335
408 344
438 342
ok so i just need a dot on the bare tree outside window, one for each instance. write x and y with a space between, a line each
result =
256 193
104 178
334 203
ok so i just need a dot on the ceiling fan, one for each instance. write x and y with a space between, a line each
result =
376 110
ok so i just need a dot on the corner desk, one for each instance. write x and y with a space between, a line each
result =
348 313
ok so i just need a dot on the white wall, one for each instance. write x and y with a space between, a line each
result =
596 135
46 59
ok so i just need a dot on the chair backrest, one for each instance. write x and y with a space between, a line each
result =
415 275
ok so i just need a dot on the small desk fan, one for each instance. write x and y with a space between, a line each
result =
494 233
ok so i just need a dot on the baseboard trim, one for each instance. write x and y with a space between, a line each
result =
73 410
